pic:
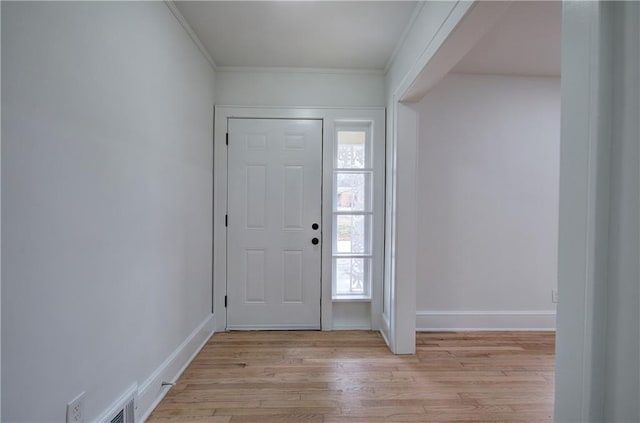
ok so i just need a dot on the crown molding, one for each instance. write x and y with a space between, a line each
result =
403 37
183 22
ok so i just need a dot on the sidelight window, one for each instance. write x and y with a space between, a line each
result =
353 213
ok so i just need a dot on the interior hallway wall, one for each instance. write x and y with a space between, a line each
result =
281 88
430 26
106 200
488 203
598 340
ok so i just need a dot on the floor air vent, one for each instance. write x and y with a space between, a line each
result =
126 414
124 410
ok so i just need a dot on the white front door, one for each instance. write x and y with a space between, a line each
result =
274 213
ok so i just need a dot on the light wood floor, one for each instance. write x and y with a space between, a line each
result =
352 377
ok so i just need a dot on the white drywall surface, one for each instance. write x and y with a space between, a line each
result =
427 23
306 88
598 344
106 193
622 380
299 88
488 200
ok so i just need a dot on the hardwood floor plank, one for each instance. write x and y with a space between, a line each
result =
350 376
279 418
282 411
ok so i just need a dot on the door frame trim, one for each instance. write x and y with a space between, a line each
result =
329 116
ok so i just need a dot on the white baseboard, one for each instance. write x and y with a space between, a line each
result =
272 327
151 391
496 320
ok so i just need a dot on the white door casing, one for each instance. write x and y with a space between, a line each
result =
274 198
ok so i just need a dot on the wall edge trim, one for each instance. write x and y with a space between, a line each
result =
196 40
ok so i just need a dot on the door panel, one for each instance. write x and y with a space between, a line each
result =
274 198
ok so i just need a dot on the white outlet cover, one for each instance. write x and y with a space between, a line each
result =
554 295
75 410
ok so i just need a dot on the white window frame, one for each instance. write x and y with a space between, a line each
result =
370 212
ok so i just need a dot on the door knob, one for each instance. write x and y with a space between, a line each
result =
315 241
315 226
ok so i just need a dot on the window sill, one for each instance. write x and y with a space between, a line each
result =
351 299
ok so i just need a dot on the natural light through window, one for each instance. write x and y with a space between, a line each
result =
352 213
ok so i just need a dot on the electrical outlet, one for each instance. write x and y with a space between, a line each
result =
75 410
554 295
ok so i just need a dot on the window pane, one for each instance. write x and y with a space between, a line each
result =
352 192
352 234
351 150
352 276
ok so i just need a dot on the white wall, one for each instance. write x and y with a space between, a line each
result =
307 88
106 194
0 228
430 26
299 88
622 383
488 202
598 341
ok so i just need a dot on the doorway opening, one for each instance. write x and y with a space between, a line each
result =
488 165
